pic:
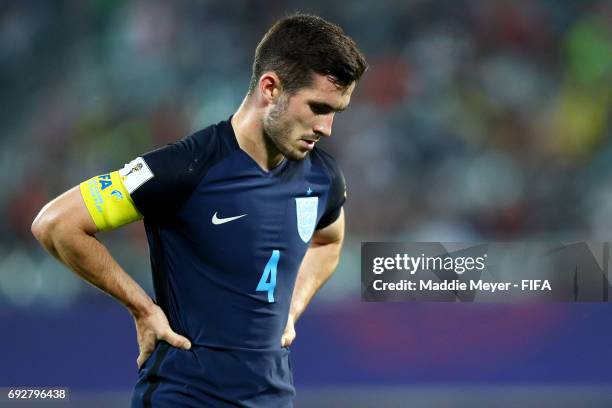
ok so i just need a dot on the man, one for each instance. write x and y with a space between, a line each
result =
244 222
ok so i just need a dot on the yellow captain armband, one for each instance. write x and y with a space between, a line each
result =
108 202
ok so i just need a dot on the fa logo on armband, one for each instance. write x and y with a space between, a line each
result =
116 194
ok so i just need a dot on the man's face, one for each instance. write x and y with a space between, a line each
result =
295 123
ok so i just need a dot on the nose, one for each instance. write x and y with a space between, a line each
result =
323 127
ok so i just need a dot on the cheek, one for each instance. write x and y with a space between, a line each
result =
300 130
306 122
301 114
298 126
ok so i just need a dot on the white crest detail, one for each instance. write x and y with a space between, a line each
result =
306 211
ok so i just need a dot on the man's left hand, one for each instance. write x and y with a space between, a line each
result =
288 334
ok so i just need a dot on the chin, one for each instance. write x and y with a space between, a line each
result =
295 154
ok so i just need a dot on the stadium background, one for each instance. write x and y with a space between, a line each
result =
477 121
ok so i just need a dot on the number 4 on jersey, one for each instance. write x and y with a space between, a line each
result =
267 283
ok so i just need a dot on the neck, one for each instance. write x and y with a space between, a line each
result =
247 124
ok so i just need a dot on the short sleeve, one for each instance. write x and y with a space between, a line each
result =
336 195
159 182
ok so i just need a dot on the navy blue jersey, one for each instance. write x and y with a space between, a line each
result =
227 238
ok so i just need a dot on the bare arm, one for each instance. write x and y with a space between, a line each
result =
318 265
65 229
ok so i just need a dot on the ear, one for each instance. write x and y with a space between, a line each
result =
269 86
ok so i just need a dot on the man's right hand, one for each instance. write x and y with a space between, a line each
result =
153 326
65 228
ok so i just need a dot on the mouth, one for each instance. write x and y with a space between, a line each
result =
309 143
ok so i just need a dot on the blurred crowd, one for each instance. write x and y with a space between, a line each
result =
476 121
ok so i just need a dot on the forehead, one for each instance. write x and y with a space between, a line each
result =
322 89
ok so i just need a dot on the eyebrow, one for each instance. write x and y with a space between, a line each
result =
326 106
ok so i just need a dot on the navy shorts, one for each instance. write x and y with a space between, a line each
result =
212 377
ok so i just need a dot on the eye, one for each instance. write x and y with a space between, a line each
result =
319 109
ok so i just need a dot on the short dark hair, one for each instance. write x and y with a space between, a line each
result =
300 44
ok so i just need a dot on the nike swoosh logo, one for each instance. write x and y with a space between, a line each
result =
218 221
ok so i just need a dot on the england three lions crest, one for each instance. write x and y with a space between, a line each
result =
306 211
